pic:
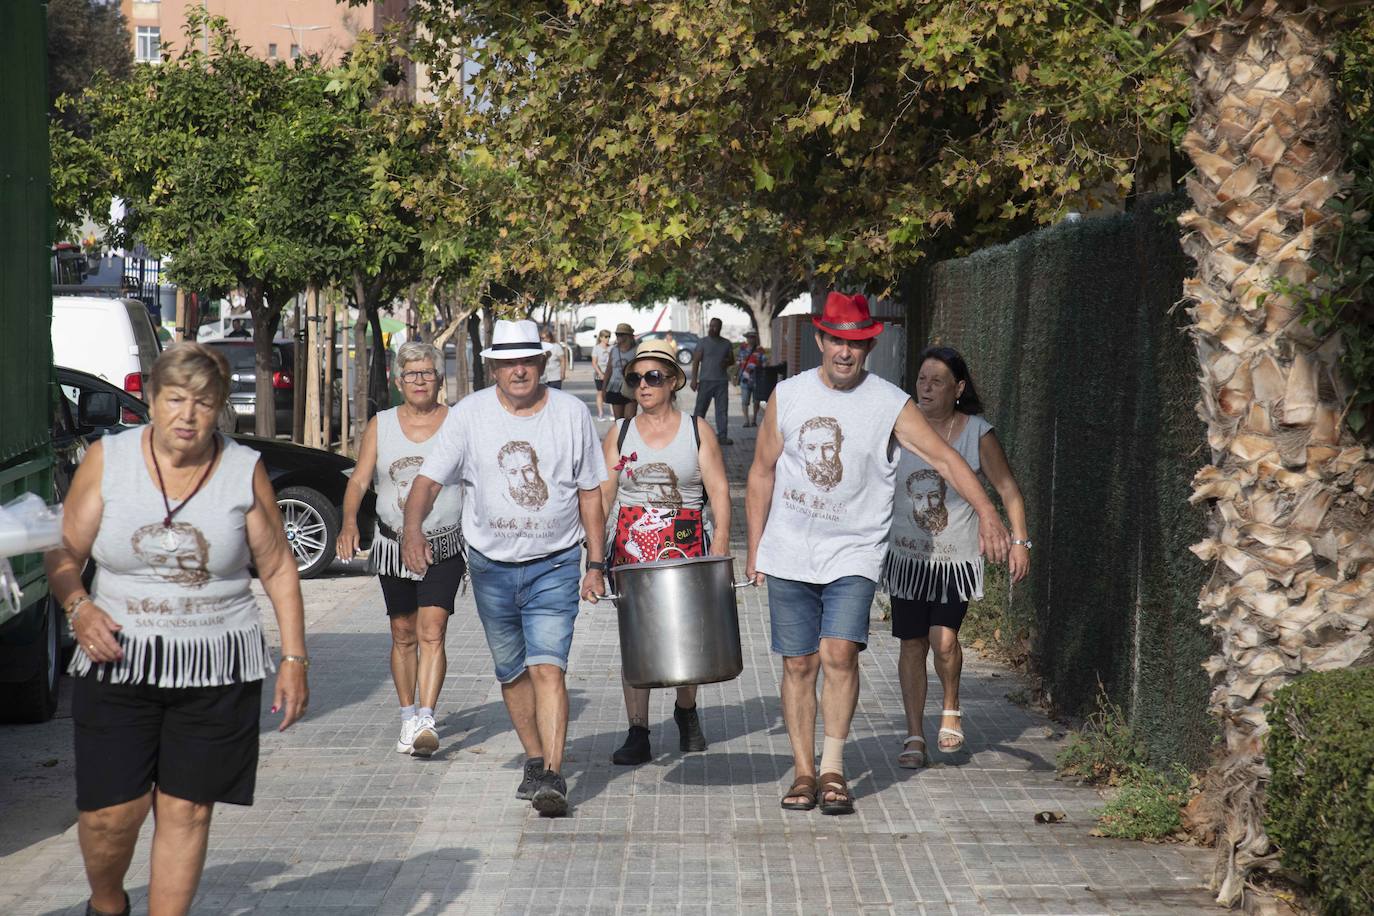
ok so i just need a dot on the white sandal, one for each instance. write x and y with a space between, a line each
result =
912 758
956 733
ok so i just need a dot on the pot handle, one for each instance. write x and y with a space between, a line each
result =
745 584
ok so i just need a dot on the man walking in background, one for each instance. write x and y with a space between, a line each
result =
713 357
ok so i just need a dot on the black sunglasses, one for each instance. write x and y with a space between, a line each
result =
654 377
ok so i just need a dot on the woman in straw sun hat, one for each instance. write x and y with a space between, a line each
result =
663 465
621 400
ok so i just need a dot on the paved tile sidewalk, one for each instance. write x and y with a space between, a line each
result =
344 825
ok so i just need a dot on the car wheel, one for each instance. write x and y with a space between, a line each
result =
312 527
35 700
685 357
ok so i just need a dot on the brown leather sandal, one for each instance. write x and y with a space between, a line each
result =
804 787
843 803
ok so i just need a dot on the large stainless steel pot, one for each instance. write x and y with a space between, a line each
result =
679 623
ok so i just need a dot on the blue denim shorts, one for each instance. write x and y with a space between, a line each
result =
527 609
804 613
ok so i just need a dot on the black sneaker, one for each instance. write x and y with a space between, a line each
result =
534 769
725 440
92 911
551 798
635 750
689 735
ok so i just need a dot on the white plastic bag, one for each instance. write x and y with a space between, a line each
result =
29 525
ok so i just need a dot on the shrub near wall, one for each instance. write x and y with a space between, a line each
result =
1090 382
1319 806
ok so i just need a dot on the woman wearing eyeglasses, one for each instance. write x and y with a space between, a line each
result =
395 445
663 464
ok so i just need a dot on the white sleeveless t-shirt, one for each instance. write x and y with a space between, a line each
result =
399 460
833 483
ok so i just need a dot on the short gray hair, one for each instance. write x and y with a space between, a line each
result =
413 351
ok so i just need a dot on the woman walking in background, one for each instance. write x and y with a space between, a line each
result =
395 445
933 567
621 400
664 464
171 655
601 354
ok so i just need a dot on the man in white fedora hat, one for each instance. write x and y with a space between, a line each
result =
528 460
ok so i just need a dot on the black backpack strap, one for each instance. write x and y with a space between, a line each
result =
624 431
696 433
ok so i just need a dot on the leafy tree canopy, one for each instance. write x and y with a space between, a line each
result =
85 38
872 134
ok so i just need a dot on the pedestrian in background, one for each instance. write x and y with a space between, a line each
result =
620 356
819 506
395 445
556 368
665 465
714 355
933 567
166 716
601 354
529 464
750 360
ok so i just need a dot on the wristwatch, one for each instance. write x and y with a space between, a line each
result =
597 564
1017 542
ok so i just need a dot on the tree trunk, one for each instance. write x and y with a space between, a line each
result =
265 317
475 337
360 364
378 397
1291 489
313 333
300 368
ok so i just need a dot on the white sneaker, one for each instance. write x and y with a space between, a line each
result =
426 739
405 744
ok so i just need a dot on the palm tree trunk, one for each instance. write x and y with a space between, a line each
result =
1288 538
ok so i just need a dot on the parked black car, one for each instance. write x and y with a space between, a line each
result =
243 375
309 482
685 341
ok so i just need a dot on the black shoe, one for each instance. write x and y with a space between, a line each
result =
92 911
635 750
725 440
689 736
551 799
534 770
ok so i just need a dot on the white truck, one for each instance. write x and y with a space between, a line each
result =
589 319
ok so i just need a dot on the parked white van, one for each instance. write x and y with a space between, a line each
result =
113 339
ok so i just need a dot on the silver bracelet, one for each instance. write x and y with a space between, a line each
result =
1017 542
300 659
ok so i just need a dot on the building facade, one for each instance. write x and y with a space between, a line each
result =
271 29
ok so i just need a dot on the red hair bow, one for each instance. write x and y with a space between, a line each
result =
624 464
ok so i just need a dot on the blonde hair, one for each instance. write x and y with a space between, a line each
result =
193 366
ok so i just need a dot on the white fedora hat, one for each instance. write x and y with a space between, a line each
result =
514 340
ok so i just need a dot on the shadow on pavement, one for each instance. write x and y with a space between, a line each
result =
423 885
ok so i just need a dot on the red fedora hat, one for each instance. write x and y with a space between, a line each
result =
847 317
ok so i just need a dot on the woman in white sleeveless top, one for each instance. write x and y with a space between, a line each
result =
662 469
933 568
395 445
171 654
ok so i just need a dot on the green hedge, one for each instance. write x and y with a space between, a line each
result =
1090 380
1320 802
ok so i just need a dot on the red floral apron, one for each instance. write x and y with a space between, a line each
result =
641 534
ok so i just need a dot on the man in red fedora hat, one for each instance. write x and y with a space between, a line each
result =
819 505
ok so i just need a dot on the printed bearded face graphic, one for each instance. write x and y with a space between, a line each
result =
661 482
820 439
520 464
403 472
927 492
179 554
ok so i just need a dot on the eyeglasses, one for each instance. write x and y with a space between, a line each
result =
414 375
653 377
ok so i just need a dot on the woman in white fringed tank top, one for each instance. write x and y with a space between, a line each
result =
933 568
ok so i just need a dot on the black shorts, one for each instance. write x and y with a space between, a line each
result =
195 743
912 618
599 383
616 399
438 588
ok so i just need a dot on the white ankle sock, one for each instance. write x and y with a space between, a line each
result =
832 757
407 712
423 711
